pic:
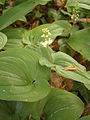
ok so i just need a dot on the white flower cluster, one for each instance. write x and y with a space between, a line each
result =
75 15
46 35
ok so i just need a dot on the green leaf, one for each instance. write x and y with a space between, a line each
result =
58 28
54 13
7 111
80 42
35 109
15 37
2 2
3 40
85 118
85 4
22 78
60 61
79 87
18 11
18 2
62 105
58 105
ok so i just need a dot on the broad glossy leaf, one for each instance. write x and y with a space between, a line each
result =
21 76
85 118
18 11
58 105
58 28
80 42
3 40
62 105
60 61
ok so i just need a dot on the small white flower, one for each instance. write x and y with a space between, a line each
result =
44 43
50 41
43 35
49 33
44 30
46 34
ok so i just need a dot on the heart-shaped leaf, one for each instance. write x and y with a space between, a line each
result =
58 105
21 76
62 105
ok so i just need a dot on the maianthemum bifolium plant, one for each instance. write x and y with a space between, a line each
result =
27 60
